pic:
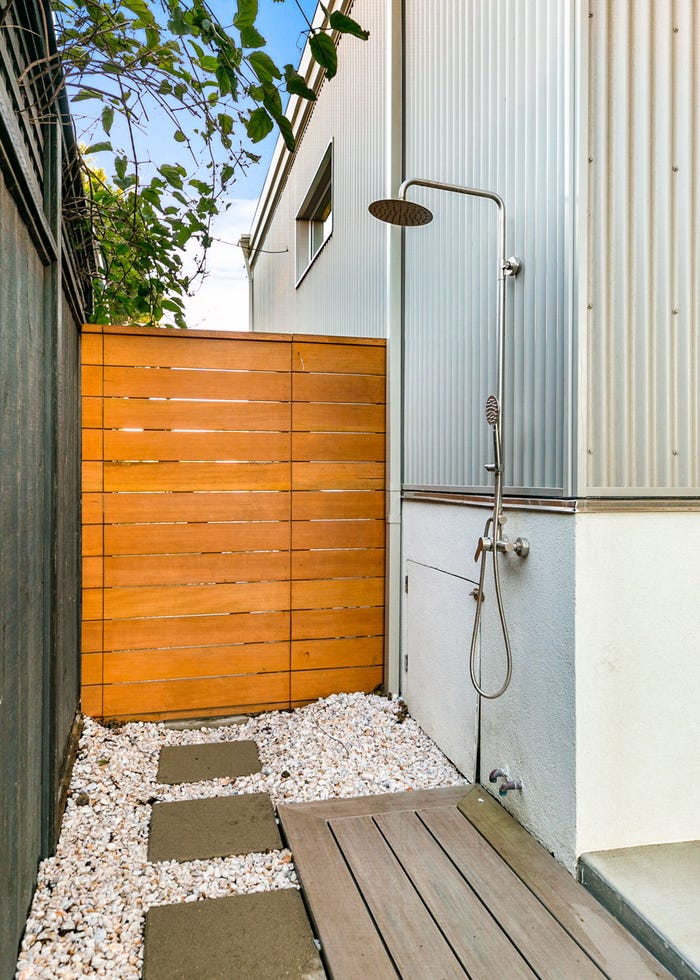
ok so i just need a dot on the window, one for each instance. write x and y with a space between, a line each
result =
314 219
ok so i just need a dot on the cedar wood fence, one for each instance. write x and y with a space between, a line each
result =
233 520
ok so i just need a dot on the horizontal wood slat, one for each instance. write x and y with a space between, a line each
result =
196 352
307 417
177 539
180 631
339 388
195 476
207 695
337 564
323 505
244 566
233 520
194 507
214 661
134 382
338 358
170 413
337 534
207 446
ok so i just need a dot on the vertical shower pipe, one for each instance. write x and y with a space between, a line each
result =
506 267
402 212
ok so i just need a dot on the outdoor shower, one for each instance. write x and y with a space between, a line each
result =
399 211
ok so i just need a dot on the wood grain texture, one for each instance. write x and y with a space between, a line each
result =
205 661
360 562
133 570
612 948
171 413
323 505
308 685
439 897
352 652
192 351
340 358
174 539
134 382
195 573
413 938
547 947
355 388
207 446
196 507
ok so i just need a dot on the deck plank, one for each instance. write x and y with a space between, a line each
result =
611 947
476 938
549 950
350 943
415 942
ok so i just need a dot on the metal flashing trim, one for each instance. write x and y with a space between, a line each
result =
559 506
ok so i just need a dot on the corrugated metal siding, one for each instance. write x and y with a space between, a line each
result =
643 356
350 111
490 104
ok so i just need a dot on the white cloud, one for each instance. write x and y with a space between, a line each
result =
221 301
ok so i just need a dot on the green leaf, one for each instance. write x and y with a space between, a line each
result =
107 118
173 174
346 25
209 62
87 93
98 148
258 125
246 13
324 53
263 66
296 84
225 122
227 172
180 136
250 38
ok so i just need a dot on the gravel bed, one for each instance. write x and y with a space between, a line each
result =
87 915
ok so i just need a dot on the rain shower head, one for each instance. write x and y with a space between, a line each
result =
397 211
493 410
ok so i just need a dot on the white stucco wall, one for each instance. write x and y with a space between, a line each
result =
638 679
530 731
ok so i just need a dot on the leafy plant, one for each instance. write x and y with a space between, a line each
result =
131 61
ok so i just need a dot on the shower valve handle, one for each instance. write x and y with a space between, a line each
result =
483 544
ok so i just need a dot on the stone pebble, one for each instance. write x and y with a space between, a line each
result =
88 911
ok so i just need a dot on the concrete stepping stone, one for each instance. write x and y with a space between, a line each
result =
195 763
265 936
196 830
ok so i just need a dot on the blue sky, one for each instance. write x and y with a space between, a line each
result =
221 303
221 300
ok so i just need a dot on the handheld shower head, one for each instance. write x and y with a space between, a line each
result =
493 411
397 211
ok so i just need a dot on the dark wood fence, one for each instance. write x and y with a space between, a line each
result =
41 308
233 513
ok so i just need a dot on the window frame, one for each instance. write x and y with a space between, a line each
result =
314 215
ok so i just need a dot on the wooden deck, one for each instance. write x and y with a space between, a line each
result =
440 884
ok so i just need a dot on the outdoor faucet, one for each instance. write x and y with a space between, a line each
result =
507 785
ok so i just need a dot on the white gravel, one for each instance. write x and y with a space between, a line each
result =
88 911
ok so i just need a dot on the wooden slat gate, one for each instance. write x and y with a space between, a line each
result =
233 520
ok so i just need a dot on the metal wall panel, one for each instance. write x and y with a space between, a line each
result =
490 104
343 292
642 353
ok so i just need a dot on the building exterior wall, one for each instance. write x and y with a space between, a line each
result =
490 103
637 677
640 346
583 116
343 292
530 731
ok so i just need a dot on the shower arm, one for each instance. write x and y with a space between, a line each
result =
506 267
